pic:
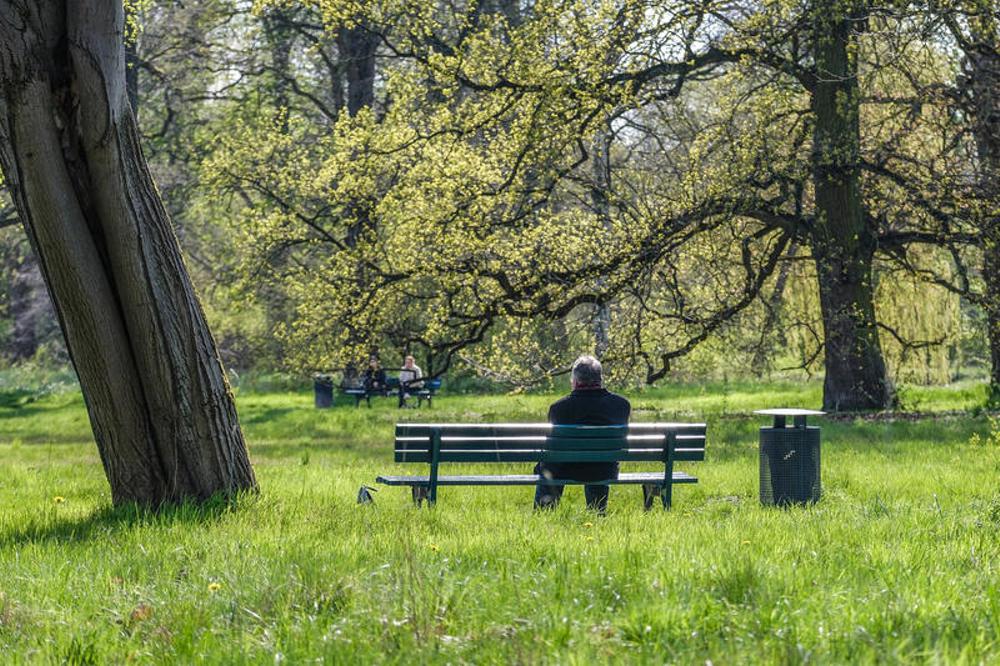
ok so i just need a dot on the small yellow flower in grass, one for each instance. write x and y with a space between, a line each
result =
744 542
214 587
58 499
588 524
434 547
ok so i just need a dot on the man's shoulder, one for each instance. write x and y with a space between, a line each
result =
615 397
562 404
563 400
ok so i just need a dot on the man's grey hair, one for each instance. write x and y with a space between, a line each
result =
587 371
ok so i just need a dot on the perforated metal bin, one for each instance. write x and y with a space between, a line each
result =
323 391
789 459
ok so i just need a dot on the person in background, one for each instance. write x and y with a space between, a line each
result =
409 378
351 379
589 404
374 377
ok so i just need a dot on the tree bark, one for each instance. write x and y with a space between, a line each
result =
983 65
279 41
760 363
357 47
163 417
601 166
843 243
991 279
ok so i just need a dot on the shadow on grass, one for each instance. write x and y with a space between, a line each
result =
331 452
110 520
266 415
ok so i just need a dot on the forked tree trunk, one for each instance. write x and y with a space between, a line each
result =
843 243
160 406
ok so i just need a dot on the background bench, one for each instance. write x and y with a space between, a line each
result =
427 392
436 443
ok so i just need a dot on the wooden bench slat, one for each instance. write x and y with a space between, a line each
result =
687 455
539 455
531 429
529 479
409 443
588 432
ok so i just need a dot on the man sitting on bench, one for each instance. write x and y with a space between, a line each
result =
589 404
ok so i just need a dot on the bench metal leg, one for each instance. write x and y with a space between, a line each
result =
419 494
666 495
650 491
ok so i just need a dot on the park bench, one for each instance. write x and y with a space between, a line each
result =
437 443
426 392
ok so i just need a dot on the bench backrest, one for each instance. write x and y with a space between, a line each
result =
544 442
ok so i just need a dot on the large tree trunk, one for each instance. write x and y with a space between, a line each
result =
843 243
161 410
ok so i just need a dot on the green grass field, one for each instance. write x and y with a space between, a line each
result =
897 563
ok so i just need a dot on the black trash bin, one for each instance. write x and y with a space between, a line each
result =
789 459
323 387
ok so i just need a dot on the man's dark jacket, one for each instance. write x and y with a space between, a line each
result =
596 406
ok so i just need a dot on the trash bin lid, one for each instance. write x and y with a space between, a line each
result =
782 413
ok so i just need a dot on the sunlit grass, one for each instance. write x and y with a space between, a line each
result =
896 563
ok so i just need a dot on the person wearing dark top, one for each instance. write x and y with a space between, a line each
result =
374 377
589 404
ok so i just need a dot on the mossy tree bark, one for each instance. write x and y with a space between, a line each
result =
842 239
159 404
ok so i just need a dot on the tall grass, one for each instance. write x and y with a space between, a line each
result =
896 563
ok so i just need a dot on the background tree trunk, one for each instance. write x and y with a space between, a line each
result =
30 309
983 67
760 363
843 243
132 57
357 47
601 167
162 413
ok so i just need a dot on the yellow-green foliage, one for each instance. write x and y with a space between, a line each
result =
459 210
